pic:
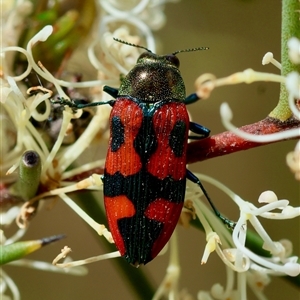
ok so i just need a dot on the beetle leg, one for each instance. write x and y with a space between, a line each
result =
77 105
198 129
111 91
191 99
230 224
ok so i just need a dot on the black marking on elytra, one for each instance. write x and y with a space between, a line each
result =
145 142
142 188
177 138
117 133
132 235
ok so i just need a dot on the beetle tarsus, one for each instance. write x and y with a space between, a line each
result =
75 104
63 101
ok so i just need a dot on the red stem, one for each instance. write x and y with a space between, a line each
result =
227 142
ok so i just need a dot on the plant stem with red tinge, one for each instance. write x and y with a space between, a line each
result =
227 142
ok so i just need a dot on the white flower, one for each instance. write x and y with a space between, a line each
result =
250 268
268 58
293 161
294 50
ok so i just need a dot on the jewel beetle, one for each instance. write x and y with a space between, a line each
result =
145 170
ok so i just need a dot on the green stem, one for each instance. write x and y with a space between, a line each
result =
139 281
28 176
290 27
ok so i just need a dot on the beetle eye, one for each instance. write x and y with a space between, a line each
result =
173 60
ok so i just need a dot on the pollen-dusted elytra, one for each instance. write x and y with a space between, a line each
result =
145 170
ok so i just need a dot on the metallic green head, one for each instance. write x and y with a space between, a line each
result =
154 78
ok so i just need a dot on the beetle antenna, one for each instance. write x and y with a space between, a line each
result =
133 45
190 50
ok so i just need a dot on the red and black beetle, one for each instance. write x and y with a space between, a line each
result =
145 170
